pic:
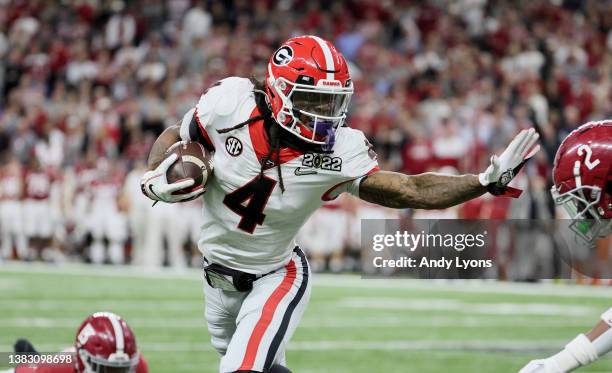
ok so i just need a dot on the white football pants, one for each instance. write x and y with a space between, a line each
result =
251 329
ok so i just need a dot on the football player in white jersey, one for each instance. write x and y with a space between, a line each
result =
582 173
11 211
280 151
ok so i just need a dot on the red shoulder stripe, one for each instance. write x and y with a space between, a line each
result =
261 144
209 144
327 195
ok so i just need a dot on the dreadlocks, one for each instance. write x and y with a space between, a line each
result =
270 125
277 138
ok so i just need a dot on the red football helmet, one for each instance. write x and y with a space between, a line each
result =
105 344
309 88
582 176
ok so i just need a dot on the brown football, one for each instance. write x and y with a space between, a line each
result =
193 161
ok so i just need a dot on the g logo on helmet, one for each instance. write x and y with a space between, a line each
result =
282 56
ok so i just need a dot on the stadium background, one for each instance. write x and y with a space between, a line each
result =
85 87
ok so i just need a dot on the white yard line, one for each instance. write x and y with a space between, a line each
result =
519 346
78 269
189 307
458 306
322 280
464 286
410 345
408 321
183 305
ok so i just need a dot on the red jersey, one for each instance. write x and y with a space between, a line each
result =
11 185
142 367
38 183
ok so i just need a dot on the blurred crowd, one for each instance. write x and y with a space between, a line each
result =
87 85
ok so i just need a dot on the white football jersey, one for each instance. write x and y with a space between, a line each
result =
248 223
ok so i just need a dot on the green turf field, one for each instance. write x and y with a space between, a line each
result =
351 325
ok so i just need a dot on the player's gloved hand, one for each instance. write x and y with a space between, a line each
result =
541 366
23 346
505 167
154 184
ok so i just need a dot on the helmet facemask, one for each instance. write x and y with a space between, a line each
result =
116 363
318 110
581 204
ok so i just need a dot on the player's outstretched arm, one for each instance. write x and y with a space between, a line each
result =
424 191
437 191
581 351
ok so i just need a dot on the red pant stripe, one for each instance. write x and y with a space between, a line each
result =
266 316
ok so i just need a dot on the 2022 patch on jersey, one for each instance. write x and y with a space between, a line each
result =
248 223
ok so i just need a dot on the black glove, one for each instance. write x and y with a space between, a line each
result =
23 346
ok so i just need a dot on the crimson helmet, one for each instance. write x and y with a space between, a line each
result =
582 175
309 88
104 344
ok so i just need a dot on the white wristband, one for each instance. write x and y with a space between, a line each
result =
579 352
482 178
353 186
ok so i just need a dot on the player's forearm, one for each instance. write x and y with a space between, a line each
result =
582 350
424 191
598 330
601 335
170 136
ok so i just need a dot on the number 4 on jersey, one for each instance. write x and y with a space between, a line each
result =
255 194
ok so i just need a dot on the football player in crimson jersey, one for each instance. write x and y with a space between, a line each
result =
281 150
582 174
104 344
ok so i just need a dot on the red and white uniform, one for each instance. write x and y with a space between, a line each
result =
83 179
142 367
11 212
105 220
104 343
251 329
232 240
40 219
249 222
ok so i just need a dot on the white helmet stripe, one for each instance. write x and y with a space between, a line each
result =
329 60
577 178
119 339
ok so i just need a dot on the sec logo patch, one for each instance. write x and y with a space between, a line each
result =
233 146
